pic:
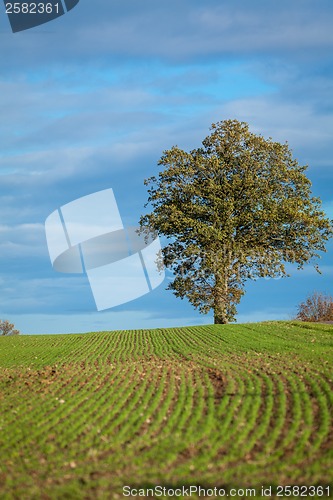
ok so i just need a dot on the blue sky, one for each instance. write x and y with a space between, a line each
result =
90 101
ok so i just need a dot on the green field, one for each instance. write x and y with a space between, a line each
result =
226 406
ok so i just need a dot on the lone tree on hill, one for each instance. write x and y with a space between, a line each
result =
237 208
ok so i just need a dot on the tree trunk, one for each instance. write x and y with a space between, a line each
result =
220 319
220 300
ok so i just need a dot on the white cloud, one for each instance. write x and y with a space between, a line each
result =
308 132
21 241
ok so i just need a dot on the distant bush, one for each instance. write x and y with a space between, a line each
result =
7 328
317 307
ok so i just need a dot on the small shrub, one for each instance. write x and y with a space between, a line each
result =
317 307
7 328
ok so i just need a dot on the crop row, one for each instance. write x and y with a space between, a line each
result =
91 411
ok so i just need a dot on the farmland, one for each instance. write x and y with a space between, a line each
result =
228 406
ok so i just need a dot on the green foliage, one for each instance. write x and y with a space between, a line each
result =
317 307
83 415
7 328
237 208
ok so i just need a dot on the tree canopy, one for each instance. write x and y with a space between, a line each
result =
239 207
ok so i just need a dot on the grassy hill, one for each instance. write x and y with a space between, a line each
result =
236 406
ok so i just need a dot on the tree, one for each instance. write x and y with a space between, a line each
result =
237 208
7 328
317 307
